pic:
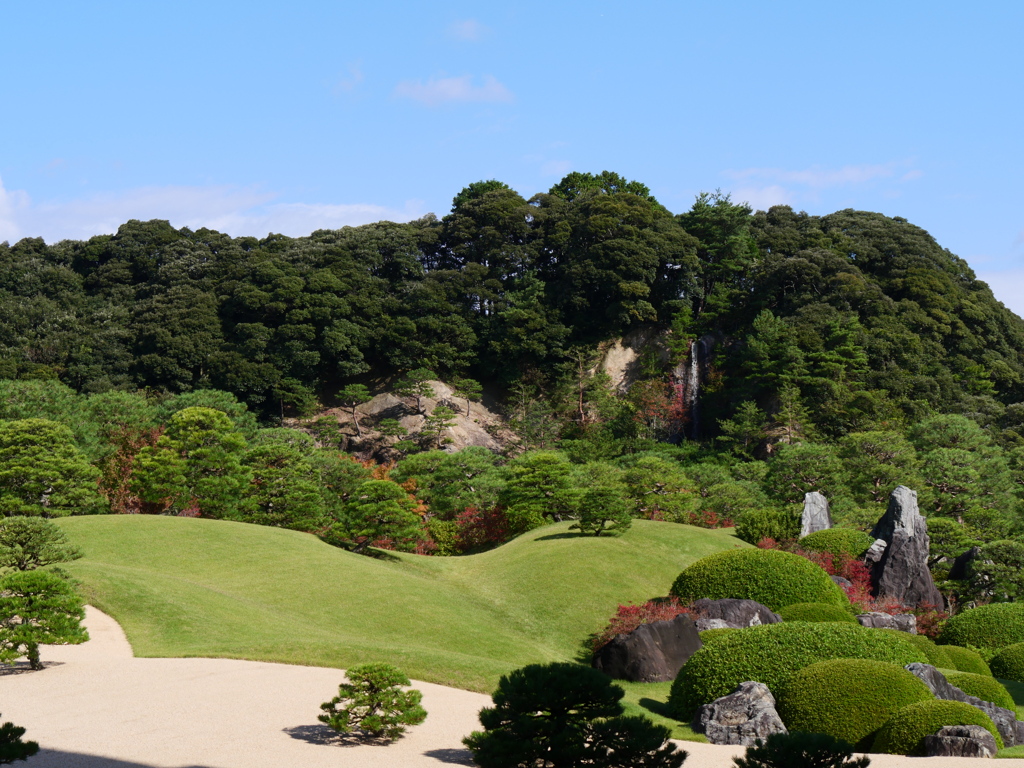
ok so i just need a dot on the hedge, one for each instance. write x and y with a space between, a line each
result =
989 626
937 655
769 576
904 733
757 524
1009 663
849 699
770 653
966 660
838 542
984 687
713 635
815 612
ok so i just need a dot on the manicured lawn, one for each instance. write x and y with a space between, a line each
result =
190 587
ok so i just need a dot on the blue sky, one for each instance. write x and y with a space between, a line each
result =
264 116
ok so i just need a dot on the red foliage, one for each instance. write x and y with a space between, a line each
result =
117 469
708 518
479 529
629 617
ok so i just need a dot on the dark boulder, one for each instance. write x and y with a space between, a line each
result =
734 612
898 560
960 741
1010 728
742 717
816 515
651 653
904 622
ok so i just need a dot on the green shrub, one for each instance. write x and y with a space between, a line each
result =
1009 663
936 654
849 699
838 542
770 653
786 750
966 660
904 733
815 612
713 635
373 702
990 626
769 576
756 524
984 687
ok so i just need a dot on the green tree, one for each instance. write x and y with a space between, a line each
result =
285 486
537 485
564 715
439 421
808 750
12 748
27 543
416 384
603 509
196 466
381 509
876 462
36 608
373 702
42 472
799 469
470 389
352 396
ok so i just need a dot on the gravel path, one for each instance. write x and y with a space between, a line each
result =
97 706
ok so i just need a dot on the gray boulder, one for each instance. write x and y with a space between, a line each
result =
651 653
898 560
734 612
703 624
742 717
960 741
904 622
816 515
1010 728
840 581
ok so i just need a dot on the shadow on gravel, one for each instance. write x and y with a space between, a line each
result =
22 667
322 734
55 758
451 756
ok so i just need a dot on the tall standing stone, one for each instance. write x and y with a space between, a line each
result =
816 516
898 560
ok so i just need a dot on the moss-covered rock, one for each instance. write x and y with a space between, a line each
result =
816 612
849 699
989 626
904 732
984 687
838 542
770 653
769 576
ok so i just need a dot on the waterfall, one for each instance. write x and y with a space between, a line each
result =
691 388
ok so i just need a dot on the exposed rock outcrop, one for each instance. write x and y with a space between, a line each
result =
904 622
735 613
898 560
742 717
816 515
651 653
960 741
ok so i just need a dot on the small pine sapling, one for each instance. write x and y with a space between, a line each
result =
374 702
470 389
37 607
352 396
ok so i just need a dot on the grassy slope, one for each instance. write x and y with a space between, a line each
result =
187 587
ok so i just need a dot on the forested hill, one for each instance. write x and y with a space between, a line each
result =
830 324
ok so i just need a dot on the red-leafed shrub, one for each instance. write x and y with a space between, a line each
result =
708 518
929 619
629 617
481 528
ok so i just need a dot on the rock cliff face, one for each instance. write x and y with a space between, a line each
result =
898 560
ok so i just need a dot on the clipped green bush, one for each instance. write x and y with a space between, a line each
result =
966 660
849 699
713 635
769 576
837 542
757 524
770 653
1009 663
904 732
984 687
815 612
936 654
989 626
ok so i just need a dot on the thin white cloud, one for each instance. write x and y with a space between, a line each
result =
233 210
467 30
444 90
556 168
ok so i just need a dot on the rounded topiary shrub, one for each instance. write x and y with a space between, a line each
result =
838 542
769 576
966 660
714 635
904 732
815 612
989 626
849 699
770 653
984 687
1009 663
936 654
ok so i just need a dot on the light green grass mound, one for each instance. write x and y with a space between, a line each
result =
837 542
984 687
771 653
193 587
966 660
1009 663
815 612
849 699
990 626
769 576
904 732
